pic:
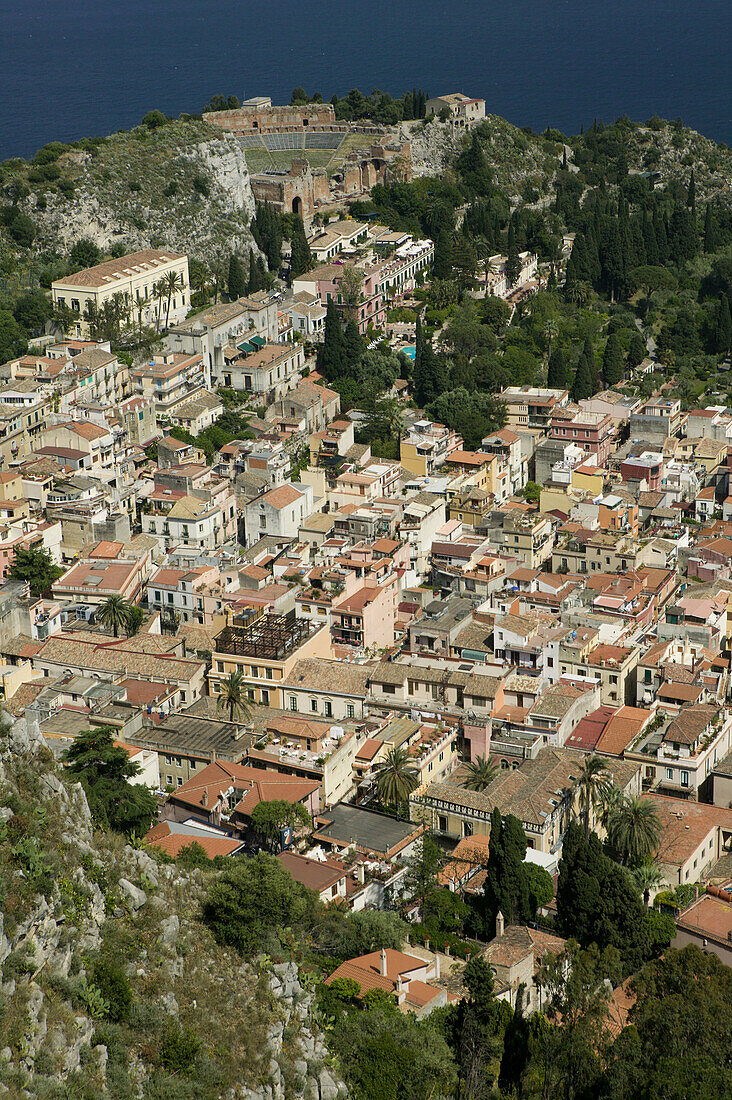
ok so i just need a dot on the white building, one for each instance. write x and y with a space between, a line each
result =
136 277
278 512
225 326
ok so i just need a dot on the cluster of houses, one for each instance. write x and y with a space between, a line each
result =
422 604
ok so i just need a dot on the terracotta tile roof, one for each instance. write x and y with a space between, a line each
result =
282 496
680 693
519 941
101 275
24 696
369 749
623 727
255 784
315 874
690 724
161 837
685 825
118 658
590 729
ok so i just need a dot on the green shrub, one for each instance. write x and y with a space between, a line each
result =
179 1048
200 185
154 119
114 987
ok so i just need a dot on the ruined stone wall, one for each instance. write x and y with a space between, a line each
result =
266 120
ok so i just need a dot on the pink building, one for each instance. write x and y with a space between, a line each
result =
324 282
365 618
590 431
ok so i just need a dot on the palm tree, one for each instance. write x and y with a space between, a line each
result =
200 281
114 612
647 877
395 779
611 797
481 774
551 329
173 282
232 694
142 301
589 786
634 830
159 293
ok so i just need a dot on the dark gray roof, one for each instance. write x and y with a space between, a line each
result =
198 737
369 830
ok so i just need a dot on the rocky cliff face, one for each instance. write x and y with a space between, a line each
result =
193 1011
184 186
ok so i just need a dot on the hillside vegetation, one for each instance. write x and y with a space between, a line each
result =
111 985
182 185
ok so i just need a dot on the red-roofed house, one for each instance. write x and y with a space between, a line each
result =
404 976
224 793
94 580
165 837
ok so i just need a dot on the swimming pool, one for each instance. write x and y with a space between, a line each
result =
409 351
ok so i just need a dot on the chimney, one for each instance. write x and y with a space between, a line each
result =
361 873
204 797
500 924
437 965
382 963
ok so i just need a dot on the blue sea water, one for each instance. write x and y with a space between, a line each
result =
70 68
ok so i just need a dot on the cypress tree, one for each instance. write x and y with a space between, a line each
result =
650 242
711 239
332 355
513 261
253 282
682 238
302 259
723 331
612 361
352 345
506 886
557 374
691 195
636 352
661 231
442 265
236 283
584 384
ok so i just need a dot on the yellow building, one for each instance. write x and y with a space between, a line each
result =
588 479
265 649
135 277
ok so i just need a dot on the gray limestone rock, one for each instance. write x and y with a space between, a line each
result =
132 894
